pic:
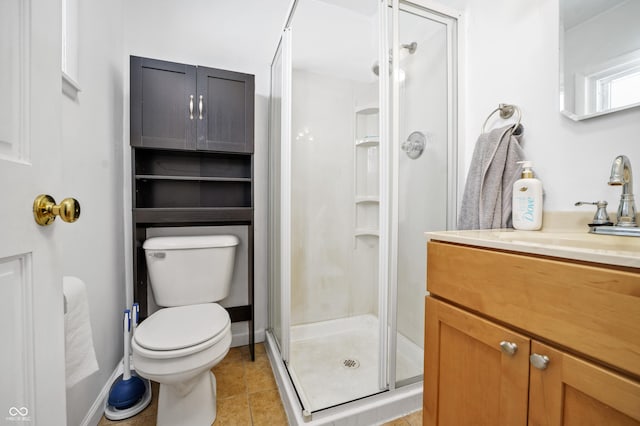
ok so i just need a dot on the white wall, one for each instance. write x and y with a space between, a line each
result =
512 56
234 35
92 163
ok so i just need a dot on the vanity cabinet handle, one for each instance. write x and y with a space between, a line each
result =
200 107
541 362
508 348
190 107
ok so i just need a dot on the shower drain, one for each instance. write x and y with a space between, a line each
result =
350 363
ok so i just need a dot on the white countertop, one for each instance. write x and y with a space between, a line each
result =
564 243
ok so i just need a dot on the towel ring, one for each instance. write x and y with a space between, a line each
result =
506 111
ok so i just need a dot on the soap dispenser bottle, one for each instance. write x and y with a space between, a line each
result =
527 200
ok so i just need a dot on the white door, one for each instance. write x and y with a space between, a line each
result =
32 389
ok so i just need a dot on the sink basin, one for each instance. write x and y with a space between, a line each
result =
574 240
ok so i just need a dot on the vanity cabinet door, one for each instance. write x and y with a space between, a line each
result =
469 379
574 392
163 104
225 106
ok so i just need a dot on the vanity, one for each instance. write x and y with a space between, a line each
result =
539 328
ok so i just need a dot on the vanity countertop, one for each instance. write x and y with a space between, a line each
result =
563 243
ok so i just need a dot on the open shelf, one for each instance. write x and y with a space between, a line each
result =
192 178
163 164
193 215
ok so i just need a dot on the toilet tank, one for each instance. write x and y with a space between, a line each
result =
191 269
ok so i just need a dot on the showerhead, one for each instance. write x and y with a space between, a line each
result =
410 47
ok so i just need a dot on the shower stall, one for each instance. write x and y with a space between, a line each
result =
362 161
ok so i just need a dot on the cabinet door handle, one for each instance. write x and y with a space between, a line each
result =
200 107
190 107
541 362
508 348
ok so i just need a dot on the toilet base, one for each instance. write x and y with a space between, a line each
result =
192 403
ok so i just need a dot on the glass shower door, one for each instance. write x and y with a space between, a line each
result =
279 190
424 164
335 342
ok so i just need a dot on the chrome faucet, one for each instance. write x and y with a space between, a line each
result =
621 175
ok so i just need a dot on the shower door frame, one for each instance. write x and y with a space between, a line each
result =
451 19
388 163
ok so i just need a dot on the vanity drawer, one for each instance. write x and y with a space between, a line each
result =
588 308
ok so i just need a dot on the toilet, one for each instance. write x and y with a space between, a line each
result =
179 344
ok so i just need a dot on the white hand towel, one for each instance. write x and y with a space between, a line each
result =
80 355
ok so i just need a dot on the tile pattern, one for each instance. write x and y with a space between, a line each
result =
413 419
247 395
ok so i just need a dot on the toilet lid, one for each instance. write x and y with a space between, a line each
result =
181 327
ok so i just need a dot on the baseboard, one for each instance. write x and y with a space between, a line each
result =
97 408
241 337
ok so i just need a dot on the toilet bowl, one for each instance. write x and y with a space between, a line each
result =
177 347
179 344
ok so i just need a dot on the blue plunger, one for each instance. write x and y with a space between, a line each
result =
127 390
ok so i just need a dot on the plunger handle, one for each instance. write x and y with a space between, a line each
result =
126 325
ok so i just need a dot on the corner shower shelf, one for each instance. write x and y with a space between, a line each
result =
368 141
367 199
367 233
366 173
367 109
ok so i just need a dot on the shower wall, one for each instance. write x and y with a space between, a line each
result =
329 278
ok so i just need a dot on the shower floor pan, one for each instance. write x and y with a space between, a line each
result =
336 361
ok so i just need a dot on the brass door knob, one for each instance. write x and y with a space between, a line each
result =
45 209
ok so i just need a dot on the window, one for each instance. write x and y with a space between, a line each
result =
620 89
614 84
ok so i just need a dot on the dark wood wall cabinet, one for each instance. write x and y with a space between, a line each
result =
192 132
178 106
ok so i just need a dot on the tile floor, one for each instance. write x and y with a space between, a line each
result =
247 395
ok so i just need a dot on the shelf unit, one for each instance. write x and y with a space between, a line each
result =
366 173
191 167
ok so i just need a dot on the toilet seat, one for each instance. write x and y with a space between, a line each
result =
180 331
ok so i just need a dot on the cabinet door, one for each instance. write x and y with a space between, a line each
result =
225 110
163 104
571 391
469 380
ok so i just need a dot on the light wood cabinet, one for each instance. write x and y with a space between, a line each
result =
574 392
547 307
468 380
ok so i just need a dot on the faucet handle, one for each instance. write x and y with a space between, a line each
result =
601 217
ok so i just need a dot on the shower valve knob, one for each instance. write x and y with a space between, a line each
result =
414 145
